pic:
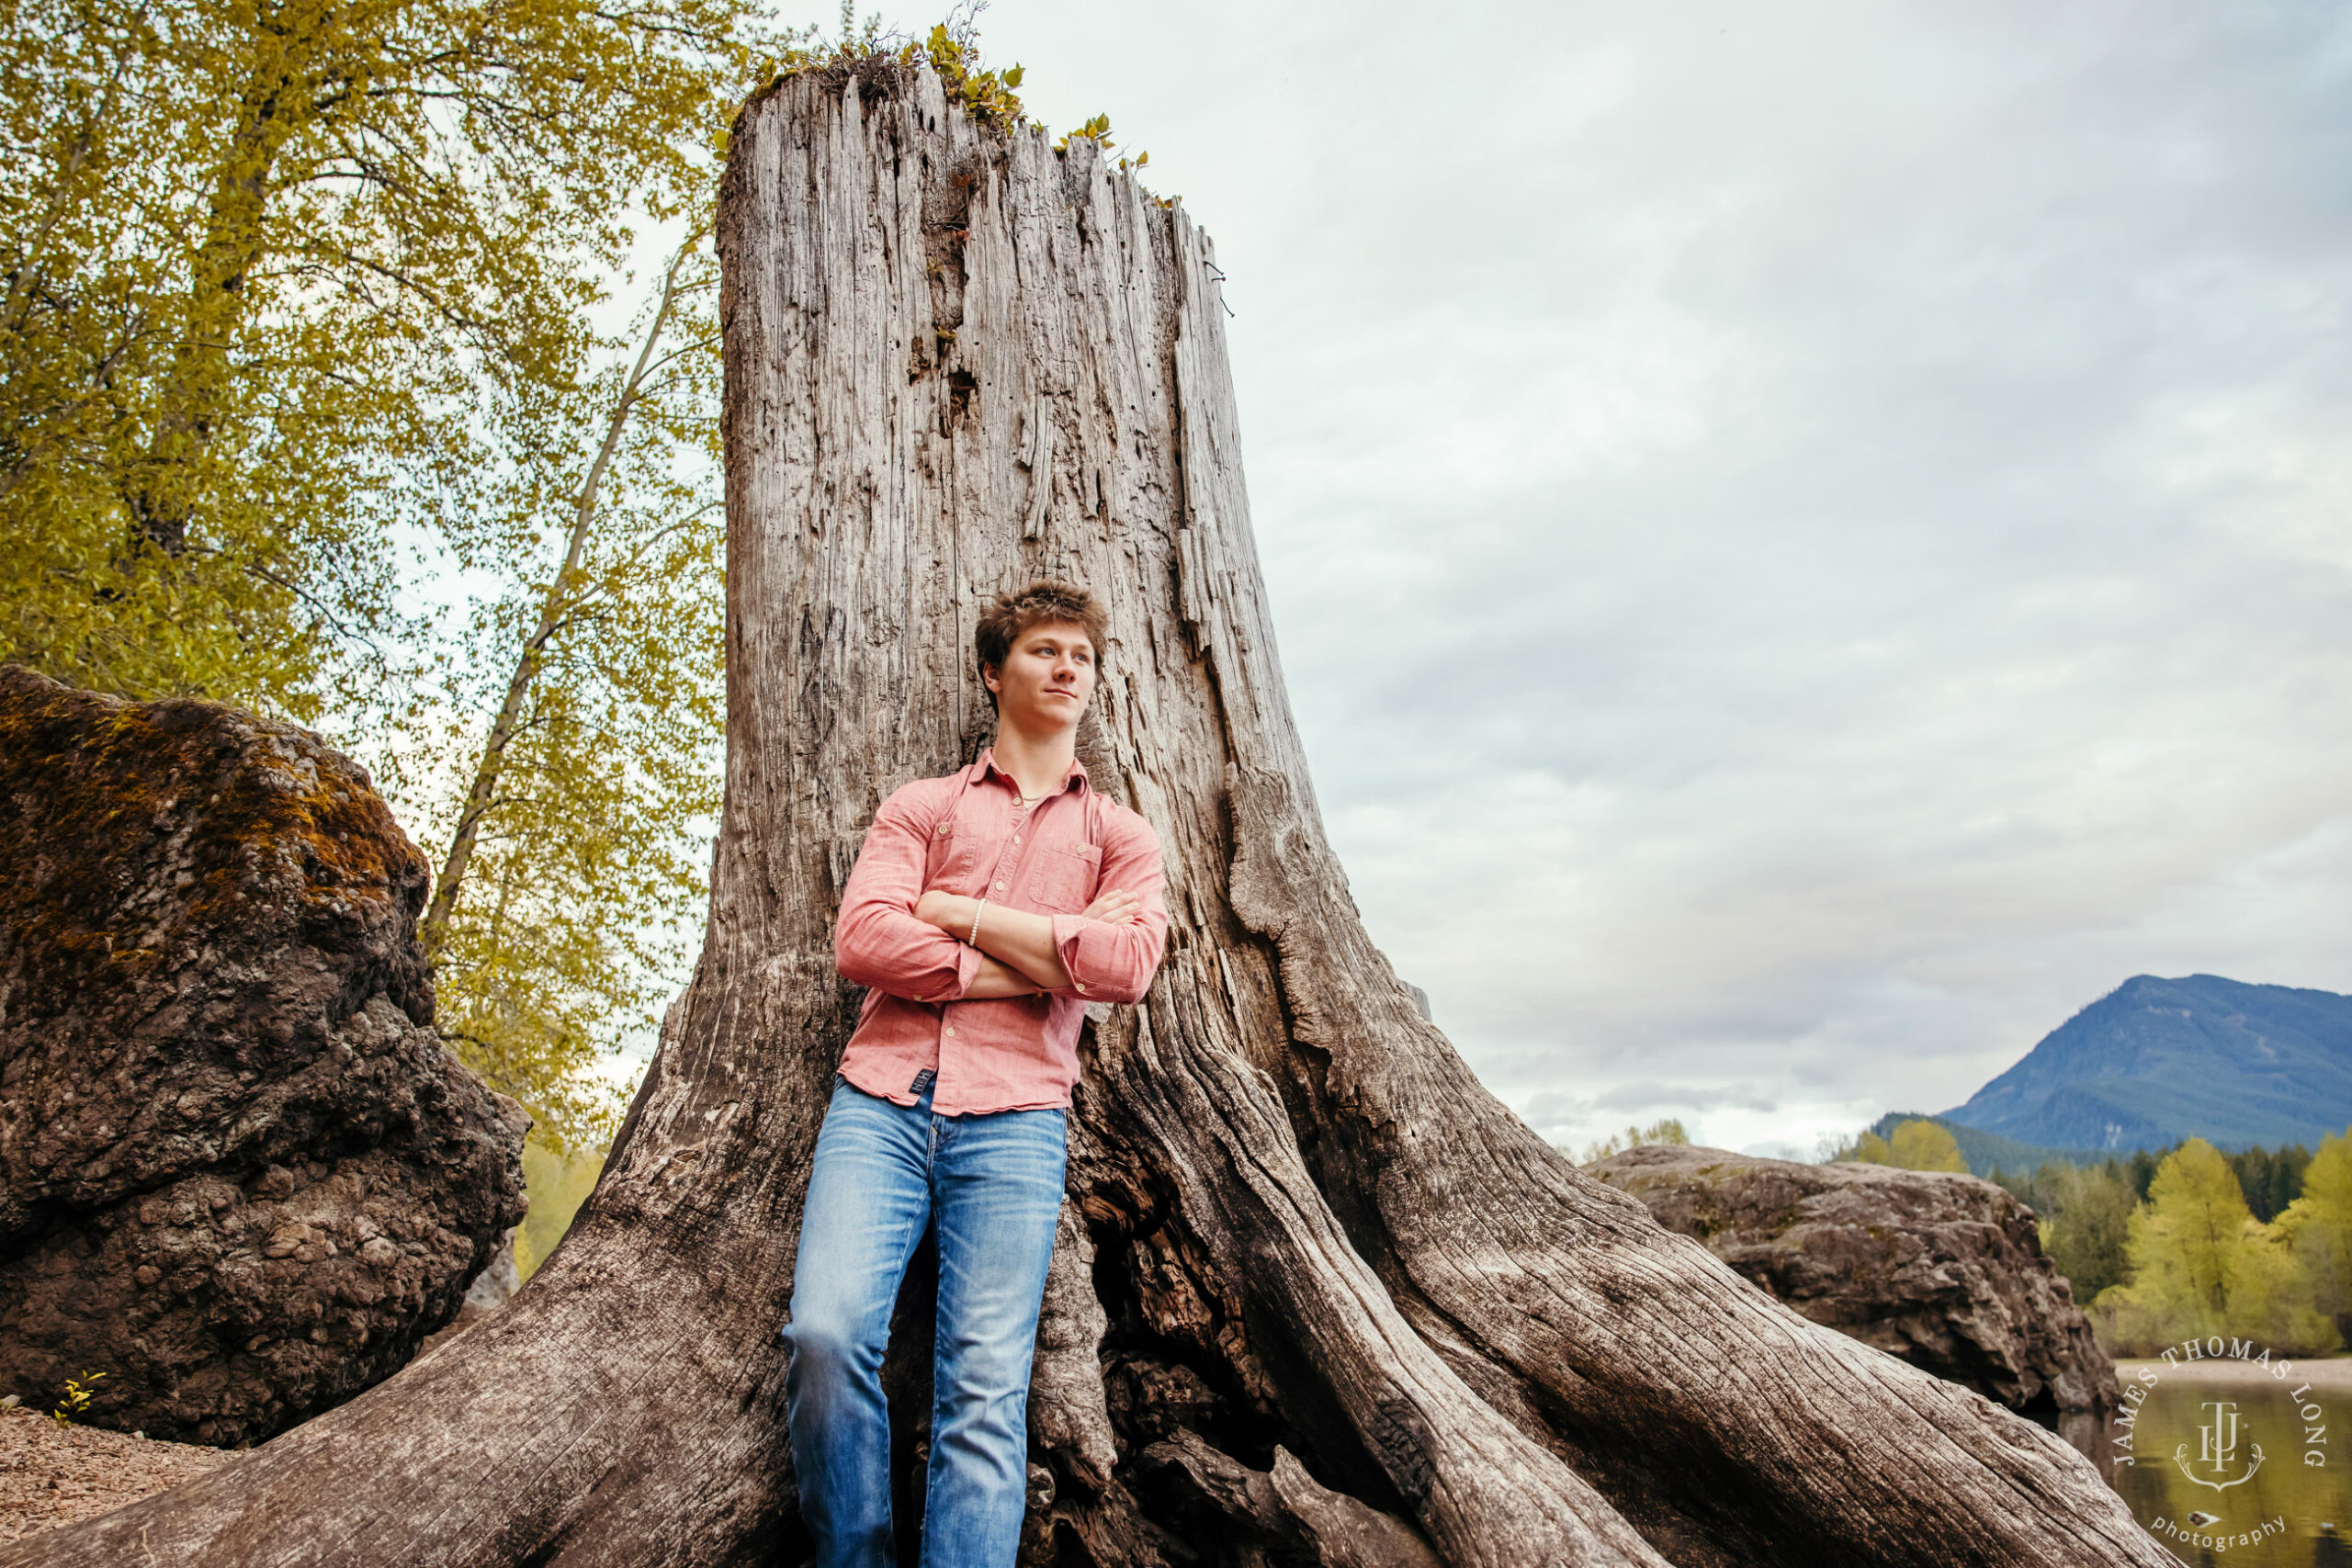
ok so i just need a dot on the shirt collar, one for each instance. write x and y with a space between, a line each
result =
1074 779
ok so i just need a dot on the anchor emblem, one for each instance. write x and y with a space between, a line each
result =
2218 1447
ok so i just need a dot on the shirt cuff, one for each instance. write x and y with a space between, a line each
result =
1067 928
967 969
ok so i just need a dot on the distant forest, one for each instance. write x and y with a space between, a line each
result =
2270 1180
2181 1242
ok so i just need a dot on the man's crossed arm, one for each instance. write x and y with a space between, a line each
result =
894 936
1018 954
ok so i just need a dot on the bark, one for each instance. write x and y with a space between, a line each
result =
1324 1298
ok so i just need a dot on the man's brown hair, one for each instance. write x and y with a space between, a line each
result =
1016 610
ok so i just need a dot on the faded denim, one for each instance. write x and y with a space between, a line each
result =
992 1187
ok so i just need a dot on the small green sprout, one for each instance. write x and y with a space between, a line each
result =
76 1400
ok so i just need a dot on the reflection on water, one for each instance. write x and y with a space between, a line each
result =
2225 1468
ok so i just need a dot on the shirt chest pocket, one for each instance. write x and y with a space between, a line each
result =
938 862
1064 877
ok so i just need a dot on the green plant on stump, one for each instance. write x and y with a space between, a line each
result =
76 1400
1097 131
953 50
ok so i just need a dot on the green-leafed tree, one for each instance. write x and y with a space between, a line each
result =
1924 1145
2182 1244
2318 1226
1665 1129
2085 1216
292 286
575 754
259 259
559 1181
1918 1144
2202 1264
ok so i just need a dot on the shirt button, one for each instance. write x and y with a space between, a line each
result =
1016 837
951 1030
999 887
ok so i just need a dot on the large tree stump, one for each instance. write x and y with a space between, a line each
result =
1321 1295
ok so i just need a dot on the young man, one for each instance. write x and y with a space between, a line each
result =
986 911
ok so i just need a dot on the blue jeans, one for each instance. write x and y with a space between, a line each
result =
992 1187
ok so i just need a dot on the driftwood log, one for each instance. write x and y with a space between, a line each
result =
1320 1296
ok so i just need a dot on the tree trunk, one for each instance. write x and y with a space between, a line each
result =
556 605
1318 1295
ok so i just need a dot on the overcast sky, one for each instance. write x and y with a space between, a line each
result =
1809 542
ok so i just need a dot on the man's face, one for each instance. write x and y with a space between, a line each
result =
1046 677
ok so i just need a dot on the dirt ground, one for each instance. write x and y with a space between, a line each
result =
52 1475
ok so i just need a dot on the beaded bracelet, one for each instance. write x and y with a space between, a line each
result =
974 939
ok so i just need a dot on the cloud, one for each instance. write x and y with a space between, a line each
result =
1681 1097
1807 546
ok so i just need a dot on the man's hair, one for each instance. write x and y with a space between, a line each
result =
1016 610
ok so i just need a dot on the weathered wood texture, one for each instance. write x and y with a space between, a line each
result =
1322 1296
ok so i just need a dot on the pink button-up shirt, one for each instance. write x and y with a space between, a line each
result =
965 833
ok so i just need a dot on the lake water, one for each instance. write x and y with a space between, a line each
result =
2226 1463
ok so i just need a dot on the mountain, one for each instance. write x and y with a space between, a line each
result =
2157 1061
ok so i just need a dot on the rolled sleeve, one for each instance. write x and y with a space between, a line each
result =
1115 963
878 942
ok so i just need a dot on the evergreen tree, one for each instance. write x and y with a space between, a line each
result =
2270 1181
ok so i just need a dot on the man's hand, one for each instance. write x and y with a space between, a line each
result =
1114 907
